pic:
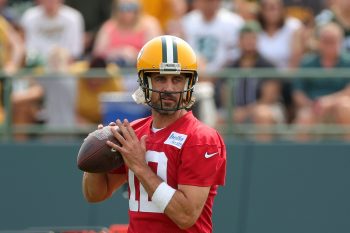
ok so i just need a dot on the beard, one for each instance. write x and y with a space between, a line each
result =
165 108
169 107
164 112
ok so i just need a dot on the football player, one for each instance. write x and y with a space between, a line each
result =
173 162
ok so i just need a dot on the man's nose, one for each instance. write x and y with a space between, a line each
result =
168 85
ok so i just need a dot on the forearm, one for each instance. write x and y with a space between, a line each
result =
17 55
17 48
297 46
182 211
33 93
95 186
301 100
179 209
100 186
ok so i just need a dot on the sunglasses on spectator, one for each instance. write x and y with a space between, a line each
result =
127 7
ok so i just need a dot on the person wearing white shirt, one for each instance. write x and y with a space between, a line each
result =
54 36
51 25
213 33
280 40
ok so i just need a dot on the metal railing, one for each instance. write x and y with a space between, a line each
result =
7 129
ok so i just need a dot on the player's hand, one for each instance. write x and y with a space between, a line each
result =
132 149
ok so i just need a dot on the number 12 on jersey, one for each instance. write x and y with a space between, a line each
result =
139 199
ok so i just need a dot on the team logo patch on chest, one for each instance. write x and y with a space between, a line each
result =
176 139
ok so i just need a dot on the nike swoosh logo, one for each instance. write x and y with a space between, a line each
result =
207 156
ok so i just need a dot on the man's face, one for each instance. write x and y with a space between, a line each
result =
208 6
248 42
128 11
51 5
167 84
329 44
272 10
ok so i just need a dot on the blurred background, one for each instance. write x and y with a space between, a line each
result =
273 79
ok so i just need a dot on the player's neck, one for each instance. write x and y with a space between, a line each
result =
162 120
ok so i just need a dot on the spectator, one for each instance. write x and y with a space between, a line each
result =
164 11
25 94
248 10
213 33
12 48
95 13
122 36
258 101
27 97
51 26
173 25
339 14
324 100
89 90
54 36
11 55
280 41
59 91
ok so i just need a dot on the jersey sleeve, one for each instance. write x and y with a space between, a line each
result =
203 161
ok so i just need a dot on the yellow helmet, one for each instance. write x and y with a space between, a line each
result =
167 55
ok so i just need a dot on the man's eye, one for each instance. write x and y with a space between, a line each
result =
159 78
178 78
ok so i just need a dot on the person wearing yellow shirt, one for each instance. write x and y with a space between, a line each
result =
89 90
11 55
164 10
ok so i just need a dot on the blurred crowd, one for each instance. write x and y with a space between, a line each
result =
59 38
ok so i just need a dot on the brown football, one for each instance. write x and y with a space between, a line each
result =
96 156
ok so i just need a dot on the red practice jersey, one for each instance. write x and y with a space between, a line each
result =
186 152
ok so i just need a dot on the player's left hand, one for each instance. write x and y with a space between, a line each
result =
132 149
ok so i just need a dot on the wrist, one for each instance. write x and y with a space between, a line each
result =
141 170
163 195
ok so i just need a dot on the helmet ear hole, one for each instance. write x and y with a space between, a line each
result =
145 84
192 79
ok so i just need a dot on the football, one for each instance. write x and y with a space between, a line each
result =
95 156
